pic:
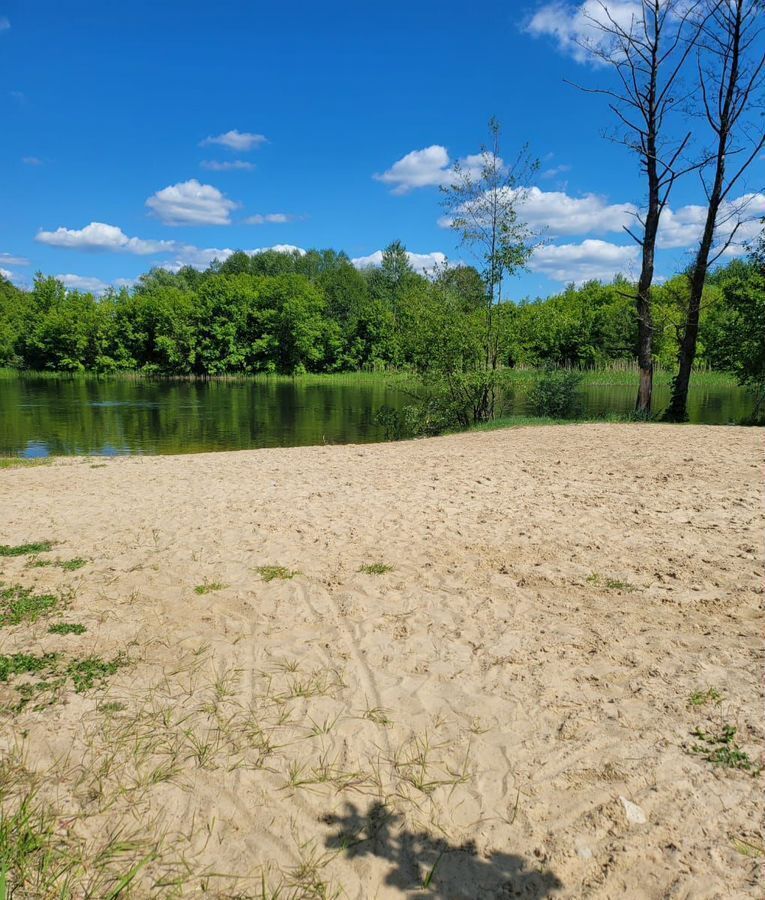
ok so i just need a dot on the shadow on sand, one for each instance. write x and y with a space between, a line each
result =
427 866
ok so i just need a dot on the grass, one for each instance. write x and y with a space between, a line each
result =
611 584
701 698
49 673
207 587
376 569
18 462
68 565
721 749
19 604
269 573
67 628
25 549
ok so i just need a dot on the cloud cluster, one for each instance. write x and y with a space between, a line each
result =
8 259
420 262
239 141
575 26
583 262
98 236
4 23
83 283
191 203
429 167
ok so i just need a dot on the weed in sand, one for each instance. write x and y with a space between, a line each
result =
611 584
68 565
207 587
269 573
18 604
701 698
722 750
25 549
378 715
67 628
376 569
85 673
25 664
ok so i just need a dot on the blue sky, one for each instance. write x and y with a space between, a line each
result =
188 129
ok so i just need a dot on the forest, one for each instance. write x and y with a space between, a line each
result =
290 313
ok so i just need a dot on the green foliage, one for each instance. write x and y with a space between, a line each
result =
269 573
376 569
67 628
19 604
721 749
555 394
24 549
287 313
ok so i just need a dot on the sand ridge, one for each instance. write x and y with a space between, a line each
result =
491 718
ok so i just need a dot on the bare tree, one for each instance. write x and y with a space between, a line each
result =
731 72
648 52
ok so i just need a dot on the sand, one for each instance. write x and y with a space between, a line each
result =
506 712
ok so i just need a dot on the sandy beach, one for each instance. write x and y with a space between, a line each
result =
480 677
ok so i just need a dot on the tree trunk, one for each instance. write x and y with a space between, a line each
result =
686 354
644 312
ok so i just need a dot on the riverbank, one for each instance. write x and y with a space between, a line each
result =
473 663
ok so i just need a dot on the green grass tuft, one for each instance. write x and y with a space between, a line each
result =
24 549
376 569
269 573
25 664
67 628
85 673
701 698
722 750
209 586
611 584
19 604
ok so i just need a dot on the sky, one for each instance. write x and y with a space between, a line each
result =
169 132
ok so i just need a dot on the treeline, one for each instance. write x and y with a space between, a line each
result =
315 312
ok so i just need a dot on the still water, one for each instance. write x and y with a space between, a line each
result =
42 416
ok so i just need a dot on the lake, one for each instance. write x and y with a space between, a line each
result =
43 415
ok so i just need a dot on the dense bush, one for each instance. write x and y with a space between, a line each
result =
554 394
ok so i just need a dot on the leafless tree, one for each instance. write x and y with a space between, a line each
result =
648 51
731 77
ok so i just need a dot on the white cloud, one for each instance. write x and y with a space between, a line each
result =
191 203
420 168
270 219
583 262
575 26
31 160
8 260
4 23
420 262
429 167
6 273
683 227
564 214
555 171
230 165
100 236
83 283
561 214
235 140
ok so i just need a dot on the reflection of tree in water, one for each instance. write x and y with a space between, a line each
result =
432 866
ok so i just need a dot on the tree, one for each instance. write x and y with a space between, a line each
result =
648 55
482 204
731 68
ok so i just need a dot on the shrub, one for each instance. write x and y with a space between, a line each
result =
555 394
